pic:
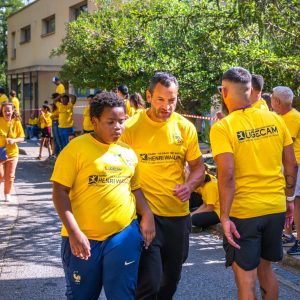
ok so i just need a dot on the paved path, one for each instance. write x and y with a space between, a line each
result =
30 266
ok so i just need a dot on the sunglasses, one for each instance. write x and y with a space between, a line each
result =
220 87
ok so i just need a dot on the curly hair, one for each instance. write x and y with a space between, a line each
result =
105 99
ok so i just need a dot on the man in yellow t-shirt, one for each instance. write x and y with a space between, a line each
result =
65 117
96 193
60 89
254 194
15 101
257 101
87 125
163 141
3 97
282 100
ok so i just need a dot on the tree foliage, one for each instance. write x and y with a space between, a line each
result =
6 8
195 40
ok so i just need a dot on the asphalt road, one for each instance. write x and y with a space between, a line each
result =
32 269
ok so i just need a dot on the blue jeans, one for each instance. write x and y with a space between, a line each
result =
57 144
64 134
113 264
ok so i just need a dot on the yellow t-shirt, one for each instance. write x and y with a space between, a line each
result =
65 118
60 89
55 115
162 149
261 104
16 103
101 178
210 194
87 123
15 131
129 110
292 121
47 122
33 122
3 98
256 138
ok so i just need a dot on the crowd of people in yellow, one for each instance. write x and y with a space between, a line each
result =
122 188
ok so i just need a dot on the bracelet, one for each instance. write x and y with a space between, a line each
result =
292 198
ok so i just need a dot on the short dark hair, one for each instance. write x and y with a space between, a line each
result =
237 75
105 99
90 96
13 93
2 90
257 82
65 96
164 78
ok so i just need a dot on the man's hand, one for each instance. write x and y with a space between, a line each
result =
183 192
229 229
147 227
80 245
289 215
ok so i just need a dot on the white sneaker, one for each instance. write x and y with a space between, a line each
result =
8 198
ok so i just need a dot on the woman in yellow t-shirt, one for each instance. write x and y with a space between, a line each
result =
137 103
46 123
208 213
11 133
122 92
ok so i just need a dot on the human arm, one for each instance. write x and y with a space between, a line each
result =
80 245
194 180
290 174
147 225
12 141
226 185
203 208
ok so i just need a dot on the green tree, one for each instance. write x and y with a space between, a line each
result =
195 40
6 8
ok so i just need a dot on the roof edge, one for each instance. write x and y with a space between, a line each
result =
23 8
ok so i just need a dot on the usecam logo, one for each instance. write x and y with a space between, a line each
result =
257 133
240 135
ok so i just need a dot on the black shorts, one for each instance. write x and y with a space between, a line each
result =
46 132
260 238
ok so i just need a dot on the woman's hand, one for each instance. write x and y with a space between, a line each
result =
10 141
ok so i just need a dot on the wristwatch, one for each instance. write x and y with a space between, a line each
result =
291 198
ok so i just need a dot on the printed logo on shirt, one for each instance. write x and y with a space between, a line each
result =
257 133
178 140
161 157
99 180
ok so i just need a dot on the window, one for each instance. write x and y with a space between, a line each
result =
13 46
25 34
76 10
48 25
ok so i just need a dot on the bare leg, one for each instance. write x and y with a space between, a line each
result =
245 281
41 146
297 216
267 280
49 147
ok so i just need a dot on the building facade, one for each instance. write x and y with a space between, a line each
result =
33 32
